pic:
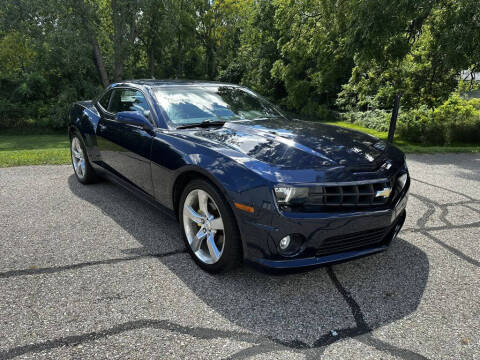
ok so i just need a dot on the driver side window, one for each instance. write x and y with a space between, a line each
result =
128 100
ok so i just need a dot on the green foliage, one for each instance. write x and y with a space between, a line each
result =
313 62
417 125
456 120
373 119
258 50
16 54
420 76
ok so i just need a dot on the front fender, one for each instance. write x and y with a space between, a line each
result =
83 122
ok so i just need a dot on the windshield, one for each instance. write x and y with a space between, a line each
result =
193 105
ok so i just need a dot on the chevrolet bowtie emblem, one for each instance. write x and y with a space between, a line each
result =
384 193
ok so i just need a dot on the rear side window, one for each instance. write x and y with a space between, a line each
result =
105 99
128 100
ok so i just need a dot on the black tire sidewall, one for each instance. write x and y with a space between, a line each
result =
231 255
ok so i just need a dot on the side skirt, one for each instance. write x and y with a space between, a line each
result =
139 193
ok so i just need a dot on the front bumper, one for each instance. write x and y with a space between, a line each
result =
261 242
299 262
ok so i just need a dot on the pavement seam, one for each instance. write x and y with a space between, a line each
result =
55 269
446 189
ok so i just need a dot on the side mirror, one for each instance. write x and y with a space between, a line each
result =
134 118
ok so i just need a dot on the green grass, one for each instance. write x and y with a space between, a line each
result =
409 147
40 149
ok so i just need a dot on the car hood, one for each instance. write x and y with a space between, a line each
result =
297 144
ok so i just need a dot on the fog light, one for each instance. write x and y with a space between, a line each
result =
285 242
291 245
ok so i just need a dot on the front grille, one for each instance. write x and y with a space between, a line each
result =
351 195
352 241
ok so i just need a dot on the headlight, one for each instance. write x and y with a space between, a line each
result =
288 195
401 181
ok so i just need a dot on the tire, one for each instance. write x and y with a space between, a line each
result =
80 162
227 240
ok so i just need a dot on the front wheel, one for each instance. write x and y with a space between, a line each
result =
209 228
81 165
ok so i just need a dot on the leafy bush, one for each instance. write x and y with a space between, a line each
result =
373 119
417 125
460 120
456 120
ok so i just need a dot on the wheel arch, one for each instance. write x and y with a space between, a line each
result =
185 177
73 130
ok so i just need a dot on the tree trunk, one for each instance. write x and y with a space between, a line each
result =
118 69
123 16
117 42
99 61
97 52
151 63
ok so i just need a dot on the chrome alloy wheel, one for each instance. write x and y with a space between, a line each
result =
203 226
78 158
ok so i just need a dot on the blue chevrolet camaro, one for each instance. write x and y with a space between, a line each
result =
246 181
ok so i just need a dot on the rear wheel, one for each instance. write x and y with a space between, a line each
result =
81 165
209 228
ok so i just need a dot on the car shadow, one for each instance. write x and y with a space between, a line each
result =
298 310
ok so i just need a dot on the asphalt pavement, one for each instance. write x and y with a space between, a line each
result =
93 272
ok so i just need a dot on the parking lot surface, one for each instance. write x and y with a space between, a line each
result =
93 272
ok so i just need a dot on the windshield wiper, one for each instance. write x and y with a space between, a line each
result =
206 123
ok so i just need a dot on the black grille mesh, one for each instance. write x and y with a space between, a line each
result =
357 240
348 195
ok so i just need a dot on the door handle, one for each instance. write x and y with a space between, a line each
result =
102 127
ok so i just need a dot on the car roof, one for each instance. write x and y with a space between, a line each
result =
168 83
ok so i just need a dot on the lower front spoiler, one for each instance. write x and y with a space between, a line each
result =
296 263
317 261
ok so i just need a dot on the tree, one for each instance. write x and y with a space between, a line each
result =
258 50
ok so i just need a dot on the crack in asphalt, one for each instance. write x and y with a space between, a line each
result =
469 206
252 351
446 189
369 339
363 332
444 227
197 332
451 249
354 307
422 221
432 205
55 269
